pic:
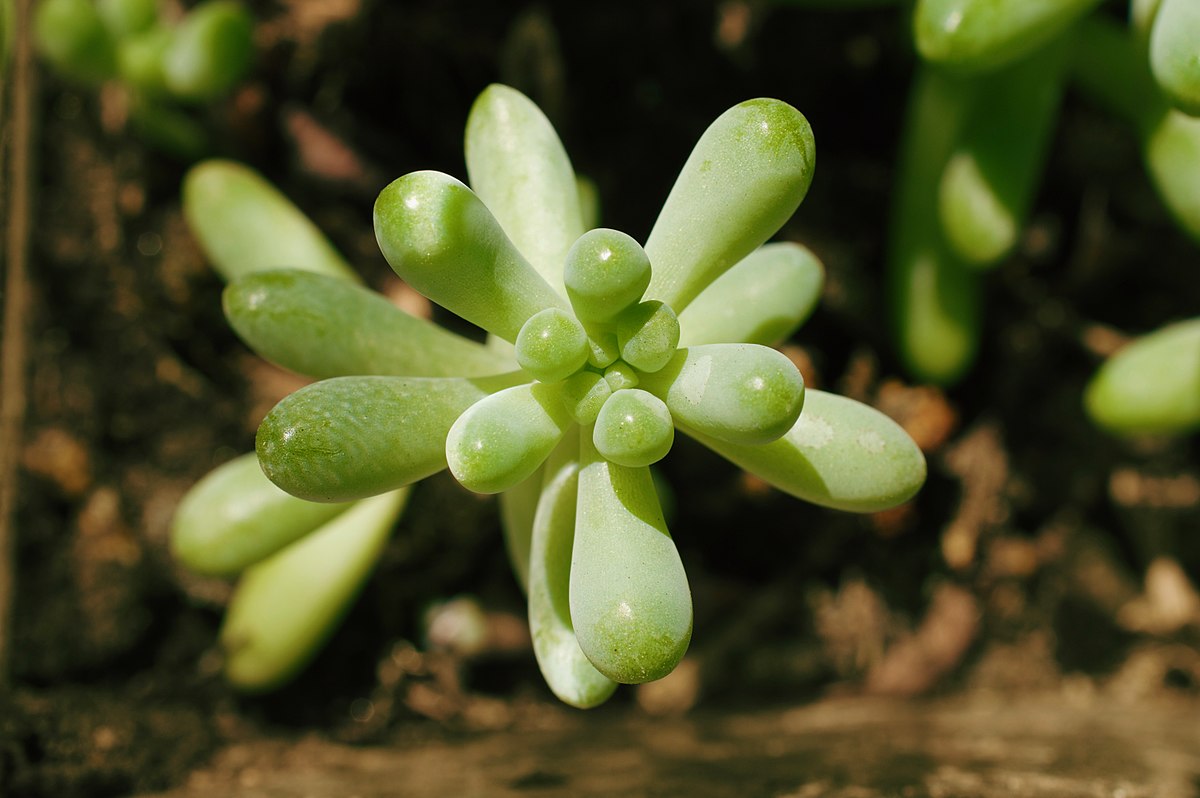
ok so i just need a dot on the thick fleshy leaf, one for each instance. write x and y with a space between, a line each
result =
244 224
567 671
140 60
1175 53
744 179
350 437
630 602
991 175
633 429
935 301
210 52
285 608
443 241
127 17
763 299
325 327
606 271
840 454
518 167
503 438
648 335
1152 385
1112 69
744 393
985 34
235 517
552 345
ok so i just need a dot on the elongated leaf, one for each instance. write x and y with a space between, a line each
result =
325 327
991 176
285 608
567 671
244 224
1172 153
350 437
71 35
744 393
1175 53
840 454
502 439
985 34
935 302
235 517
443 241
762 299
1152 385
518 505
518 167
744 179
630 602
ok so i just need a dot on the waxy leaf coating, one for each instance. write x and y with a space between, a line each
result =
327 327
744 179
840 454
444 242
606 271
350 437
634 429
631 606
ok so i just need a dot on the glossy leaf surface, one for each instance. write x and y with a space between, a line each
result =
630 602
633 429
210 51
840 454
1175 53
444 242
350 437
744 179
518 167
743 393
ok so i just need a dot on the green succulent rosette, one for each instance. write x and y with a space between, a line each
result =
612 349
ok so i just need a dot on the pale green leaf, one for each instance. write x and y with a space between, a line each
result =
443 241
285 608
744 179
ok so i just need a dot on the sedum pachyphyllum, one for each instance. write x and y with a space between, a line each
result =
613 348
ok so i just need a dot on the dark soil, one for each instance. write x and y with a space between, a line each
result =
1042 558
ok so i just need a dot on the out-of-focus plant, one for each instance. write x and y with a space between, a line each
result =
982 110
601 349
162 64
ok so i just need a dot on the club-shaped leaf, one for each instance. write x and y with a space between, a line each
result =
991 175
606 271
985 34
935 301
245 225
235 517
140 59
211 51
1152 386
326 327
443 241
518 167
350 437
633 429
552 345
1175 53
1172 153
840 454
744 179
285 608
763 299
127 17
502 439
567 671
630 602
743 393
